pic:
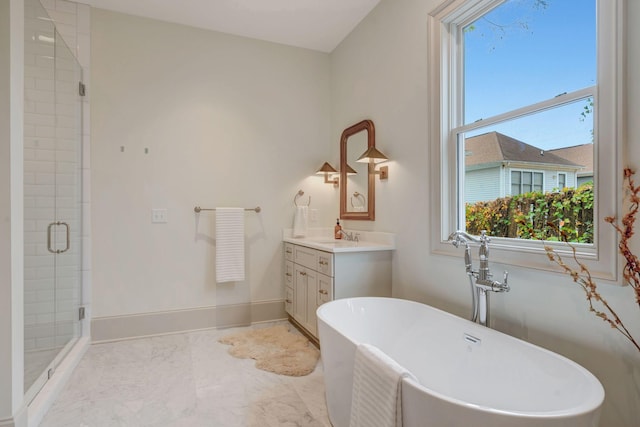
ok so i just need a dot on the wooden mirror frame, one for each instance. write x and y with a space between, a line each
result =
370 214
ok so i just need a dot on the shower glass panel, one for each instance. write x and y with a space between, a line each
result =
53 198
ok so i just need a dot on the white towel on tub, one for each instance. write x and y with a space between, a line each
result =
376 397
229 245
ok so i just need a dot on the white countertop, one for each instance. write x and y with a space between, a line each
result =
322 239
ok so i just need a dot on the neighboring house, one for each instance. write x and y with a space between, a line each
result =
497 165
581 155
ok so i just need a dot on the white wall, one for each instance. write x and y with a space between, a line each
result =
227 121
380 72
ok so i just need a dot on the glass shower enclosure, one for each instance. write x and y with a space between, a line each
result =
52 199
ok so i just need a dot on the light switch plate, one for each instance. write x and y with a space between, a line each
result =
158 216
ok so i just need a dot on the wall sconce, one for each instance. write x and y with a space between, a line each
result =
351 171
374 156
325 170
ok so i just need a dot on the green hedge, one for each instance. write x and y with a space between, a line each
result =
540 216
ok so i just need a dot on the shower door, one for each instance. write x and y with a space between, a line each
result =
53 198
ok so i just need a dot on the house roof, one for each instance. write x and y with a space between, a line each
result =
493 147
579 154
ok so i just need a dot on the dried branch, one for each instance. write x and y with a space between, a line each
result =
631 271
590 288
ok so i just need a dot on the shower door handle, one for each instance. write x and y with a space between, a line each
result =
49 248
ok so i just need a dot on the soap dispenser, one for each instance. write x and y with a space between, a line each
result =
336 230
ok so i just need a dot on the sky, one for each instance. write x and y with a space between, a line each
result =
519 54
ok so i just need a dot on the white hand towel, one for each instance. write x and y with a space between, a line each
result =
301 221
376 398
229 244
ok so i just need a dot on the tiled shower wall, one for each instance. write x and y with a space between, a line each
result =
51 130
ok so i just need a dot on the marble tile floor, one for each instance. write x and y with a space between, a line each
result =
185 380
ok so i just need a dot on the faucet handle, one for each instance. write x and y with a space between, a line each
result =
505 286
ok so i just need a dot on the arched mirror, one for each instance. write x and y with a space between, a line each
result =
357 184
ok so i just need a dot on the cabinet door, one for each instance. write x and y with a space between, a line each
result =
312 305
300 294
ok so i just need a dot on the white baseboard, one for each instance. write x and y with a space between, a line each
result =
114 328
18 420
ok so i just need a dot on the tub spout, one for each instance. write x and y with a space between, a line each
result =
460 236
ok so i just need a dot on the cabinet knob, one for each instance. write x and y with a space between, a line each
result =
323 262
288 301
323 292
289 251
287 274
303 273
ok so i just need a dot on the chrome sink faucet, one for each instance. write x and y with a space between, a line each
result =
480 280
347 236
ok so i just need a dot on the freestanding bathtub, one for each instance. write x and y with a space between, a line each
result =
469 375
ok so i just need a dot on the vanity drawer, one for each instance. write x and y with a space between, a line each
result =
305 256
288 274
325 289
325 263
288 251
288 300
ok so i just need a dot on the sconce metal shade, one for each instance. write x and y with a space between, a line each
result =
326 168
351 171
372 155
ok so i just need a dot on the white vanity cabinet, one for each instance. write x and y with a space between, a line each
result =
313 277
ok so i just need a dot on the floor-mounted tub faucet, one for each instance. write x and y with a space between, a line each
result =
480 280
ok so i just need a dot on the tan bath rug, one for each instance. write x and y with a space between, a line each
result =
275 349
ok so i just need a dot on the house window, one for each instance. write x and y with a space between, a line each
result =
562 180
526 182
517 87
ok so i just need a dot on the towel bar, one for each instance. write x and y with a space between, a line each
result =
197 209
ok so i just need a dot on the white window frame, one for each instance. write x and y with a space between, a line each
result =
445 83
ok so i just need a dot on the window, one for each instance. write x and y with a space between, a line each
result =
508 80
526 182
562 180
